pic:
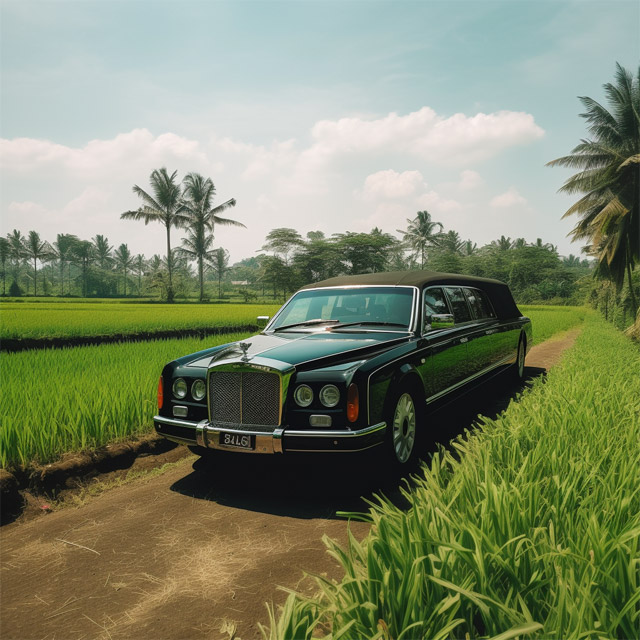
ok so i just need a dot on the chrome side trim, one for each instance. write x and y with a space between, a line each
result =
174 421
337 434
484 371
371 446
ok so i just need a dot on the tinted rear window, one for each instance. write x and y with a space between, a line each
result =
459 304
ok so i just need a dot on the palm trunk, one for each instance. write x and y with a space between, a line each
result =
61 278
201 277
125 281
634 304
169 265
219 286
35 277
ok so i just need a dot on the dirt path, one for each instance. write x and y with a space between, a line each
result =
181 554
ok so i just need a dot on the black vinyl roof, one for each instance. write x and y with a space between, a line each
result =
498 291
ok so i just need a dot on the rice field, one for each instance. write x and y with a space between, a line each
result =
57 400
82 319
529 527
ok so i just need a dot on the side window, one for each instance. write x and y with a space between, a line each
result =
485 303
459 304
435 303
479 303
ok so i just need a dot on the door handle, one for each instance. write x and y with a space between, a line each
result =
463 340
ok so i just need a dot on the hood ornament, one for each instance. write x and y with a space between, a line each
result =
245 348
232 348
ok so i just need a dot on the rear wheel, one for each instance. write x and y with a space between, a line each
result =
403 426
518 370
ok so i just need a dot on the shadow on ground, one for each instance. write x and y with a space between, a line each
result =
320 486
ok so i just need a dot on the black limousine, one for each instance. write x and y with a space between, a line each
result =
346 364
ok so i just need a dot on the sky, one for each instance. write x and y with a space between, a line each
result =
316 115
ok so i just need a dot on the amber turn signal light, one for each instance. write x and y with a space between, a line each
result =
160 394
353 403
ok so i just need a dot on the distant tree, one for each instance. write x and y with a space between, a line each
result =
103 252
282 242
164 206
124 261
219 262
470 248
83 254
5 252
609 180
17 252
421 233
450 242
503 244
365 252
139 265
36 249
62 250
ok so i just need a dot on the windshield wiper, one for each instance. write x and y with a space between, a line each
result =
306 323
371 322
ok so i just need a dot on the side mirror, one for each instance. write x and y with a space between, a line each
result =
262 321
441 321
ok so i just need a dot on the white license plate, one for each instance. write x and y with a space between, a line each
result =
237 440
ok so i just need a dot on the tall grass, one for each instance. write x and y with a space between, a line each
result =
64 319
529 526
58 400
549 320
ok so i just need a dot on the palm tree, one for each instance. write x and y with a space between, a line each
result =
163 206
16 251
201 218
139 264
103 251
5 252
450 242
503 244
124 260
609 179
62 249
220 264
83 253
420 234
36 249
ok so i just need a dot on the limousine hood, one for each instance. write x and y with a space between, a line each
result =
297 349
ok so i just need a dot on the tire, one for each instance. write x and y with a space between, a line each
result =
403 420
518 367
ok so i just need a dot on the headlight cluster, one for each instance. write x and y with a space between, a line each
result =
329 395
198 389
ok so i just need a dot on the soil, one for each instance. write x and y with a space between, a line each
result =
197 551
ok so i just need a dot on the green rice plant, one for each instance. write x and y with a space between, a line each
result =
529 526
57 400
548 320
64 319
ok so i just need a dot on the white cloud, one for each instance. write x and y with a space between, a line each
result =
392 185
424 134
508 199
434 202
470 180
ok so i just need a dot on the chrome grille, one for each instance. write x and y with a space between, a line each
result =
245 399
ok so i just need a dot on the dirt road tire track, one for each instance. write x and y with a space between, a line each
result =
178 554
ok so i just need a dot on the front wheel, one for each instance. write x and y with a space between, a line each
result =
403 425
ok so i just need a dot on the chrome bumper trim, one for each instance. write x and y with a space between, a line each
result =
208 436
335 433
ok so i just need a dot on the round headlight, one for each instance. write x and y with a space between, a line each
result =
303 395
329 395
198 390
179 388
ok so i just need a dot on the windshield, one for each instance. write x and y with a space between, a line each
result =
365 305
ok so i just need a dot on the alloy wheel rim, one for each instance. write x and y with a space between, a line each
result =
521 360
404 428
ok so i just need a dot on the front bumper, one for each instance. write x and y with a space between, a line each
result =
282 440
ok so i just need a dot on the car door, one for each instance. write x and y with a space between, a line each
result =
484 346
448 355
